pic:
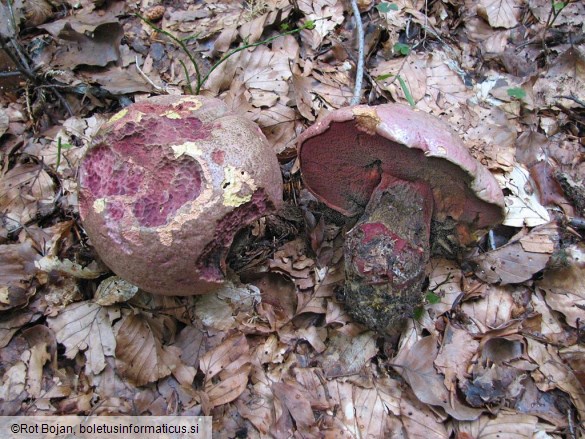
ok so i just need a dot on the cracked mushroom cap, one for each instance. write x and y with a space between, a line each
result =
165 186
343 157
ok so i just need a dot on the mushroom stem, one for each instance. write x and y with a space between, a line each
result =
386 253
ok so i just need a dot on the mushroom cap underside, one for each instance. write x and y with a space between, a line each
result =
343 156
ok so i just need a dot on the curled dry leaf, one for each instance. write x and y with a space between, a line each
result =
114 290
217 310
141 356
17 268
520 259
456 352
85 326
294 404
508 425
89 39
445 282
11 324
553 373
500 13
419 420
25 191
372 406
229 364
416 365
65 266
346 355
564 287
493 310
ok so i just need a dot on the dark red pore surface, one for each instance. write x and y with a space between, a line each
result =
135 160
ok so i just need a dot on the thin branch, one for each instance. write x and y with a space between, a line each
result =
181 44
156 87
357 90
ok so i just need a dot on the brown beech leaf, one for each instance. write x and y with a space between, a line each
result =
256 405
445 282
520 259
89 39
226 369
416 365
296 405
140 355
279 123
505 425
500 13
551 193
310 379
304 99
346 355
565 286
565 77
327 14
114 290
229 388
373 406
17 268
24 190
12 323
554 373
85 326
493 310
455 354
419 420
412 70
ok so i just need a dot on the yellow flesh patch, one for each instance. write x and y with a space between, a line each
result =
188 148
238 187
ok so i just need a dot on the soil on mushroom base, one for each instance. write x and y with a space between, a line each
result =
386 253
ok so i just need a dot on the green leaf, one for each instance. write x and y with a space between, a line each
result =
384 76
418 313
559 6
384 7
61 146
284 27
309 24
432 298
403 49
406 91
516 92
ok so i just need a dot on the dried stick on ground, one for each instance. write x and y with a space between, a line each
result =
357 90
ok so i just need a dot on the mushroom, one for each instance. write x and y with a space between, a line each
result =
165 186
405 172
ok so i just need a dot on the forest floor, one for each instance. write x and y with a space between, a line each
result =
497 350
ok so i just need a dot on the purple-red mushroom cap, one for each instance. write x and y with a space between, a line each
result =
165 186
343 156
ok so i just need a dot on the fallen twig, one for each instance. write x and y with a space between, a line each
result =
357 90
